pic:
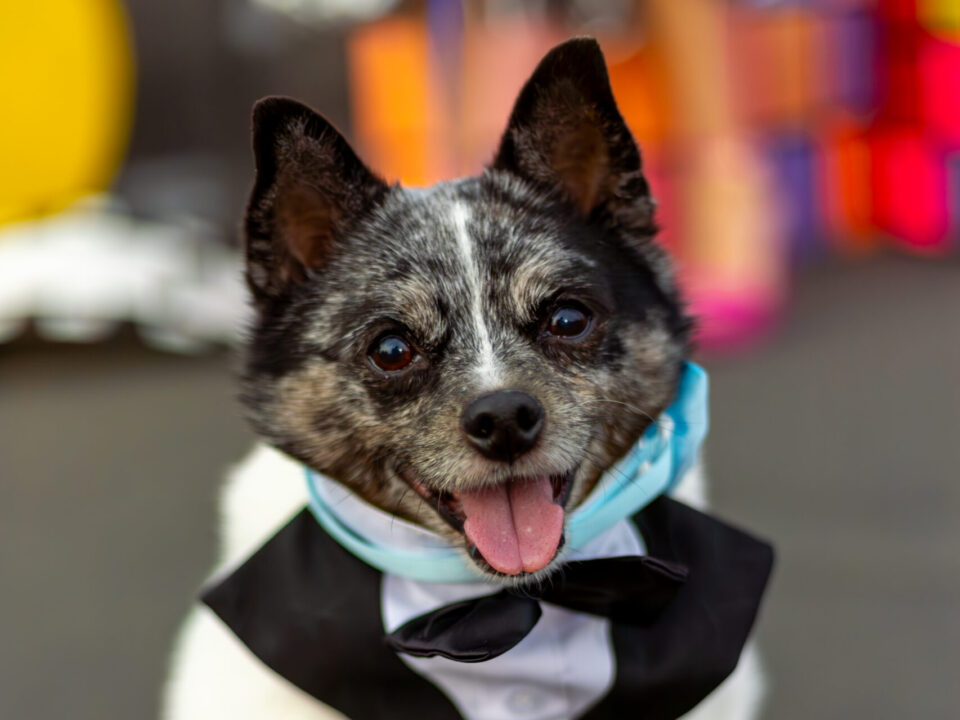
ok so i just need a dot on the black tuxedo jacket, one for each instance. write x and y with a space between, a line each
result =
311 611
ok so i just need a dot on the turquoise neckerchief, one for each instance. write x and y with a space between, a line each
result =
651 467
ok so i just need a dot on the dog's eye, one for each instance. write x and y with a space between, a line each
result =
569 321
391 353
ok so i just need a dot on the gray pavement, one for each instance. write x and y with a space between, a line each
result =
839 438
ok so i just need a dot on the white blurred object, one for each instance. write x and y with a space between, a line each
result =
79 274
329 10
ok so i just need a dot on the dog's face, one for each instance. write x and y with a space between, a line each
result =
474 355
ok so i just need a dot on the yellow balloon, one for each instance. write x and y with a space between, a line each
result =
66 83
940 17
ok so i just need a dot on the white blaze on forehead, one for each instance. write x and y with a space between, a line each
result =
486 362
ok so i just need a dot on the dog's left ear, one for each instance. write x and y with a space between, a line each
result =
566 132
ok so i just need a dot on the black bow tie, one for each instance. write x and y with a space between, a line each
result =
630 589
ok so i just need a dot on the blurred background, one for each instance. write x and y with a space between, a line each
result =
806 156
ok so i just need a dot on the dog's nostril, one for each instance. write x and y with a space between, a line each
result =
527 417
484 426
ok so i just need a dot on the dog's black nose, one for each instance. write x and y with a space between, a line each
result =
503 425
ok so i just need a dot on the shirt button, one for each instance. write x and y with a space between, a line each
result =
524 701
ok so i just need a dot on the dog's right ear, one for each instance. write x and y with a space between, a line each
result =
310 188
566 132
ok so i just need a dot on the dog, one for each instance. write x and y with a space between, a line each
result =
468 361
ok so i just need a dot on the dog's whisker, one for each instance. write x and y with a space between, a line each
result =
659 420
633 408
403 495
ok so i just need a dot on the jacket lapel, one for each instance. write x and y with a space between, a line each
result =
666 669
311 611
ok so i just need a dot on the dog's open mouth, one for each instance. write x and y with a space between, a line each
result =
512 527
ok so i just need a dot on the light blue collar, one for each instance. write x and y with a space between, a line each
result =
651 467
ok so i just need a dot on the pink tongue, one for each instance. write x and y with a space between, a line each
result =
516 526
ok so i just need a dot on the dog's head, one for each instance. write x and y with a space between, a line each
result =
471 356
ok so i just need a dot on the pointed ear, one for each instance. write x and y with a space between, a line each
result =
565 132
310 189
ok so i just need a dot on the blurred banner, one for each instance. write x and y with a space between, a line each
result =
774 133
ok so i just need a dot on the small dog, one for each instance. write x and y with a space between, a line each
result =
469 359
